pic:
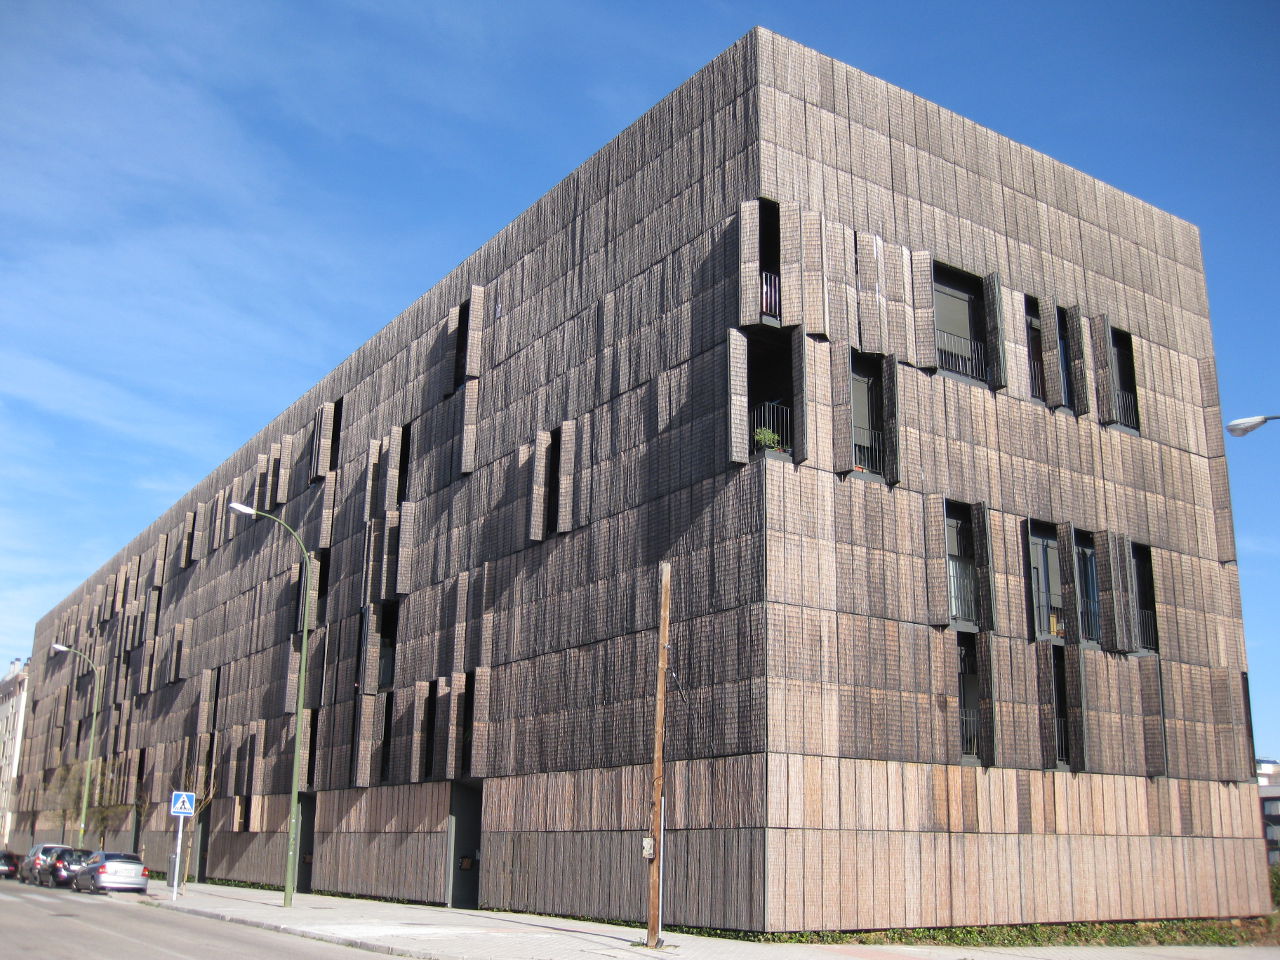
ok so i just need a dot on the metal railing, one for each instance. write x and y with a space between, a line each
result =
1090 621
962 580
969 731
868 451
1148 638
771 427
1037 377
770 294
1060 734
1126 408
1048 610
960 355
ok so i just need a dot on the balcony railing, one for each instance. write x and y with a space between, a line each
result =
1049 619
868 451
771 427
770 294
963 583
1148 639
1060 734
1037 377
1126 408
960 355
1090 621
969 731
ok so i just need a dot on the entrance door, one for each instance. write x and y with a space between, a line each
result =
464 846
200 869
306 839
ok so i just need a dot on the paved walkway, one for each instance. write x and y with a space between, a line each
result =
439 933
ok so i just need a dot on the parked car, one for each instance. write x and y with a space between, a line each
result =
59 868
105 870
33 860
9 863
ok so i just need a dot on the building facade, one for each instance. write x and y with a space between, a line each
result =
925 421
13 716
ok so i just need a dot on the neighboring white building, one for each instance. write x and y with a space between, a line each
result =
1268 773
13 711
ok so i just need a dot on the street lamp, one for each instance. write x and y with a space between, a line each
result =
93 729
291 857
1238 428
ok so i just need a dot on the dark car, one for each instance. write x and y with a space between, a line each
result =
59 868
106 870
9 863
35 858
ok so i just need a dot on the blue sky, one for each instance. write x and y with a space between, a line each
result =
205 207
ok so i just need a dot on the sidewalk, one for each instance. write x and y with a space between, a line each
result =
408 930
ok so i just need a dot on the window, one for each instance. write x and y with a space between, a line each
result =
1124 379
1145 595
1271 808
388 719
960 322
1064 360
1060 705
770 388
551 481
429 733
867 410
402 473
962 574
1035 348
969 692
770 262
388 626
1045 581
1087 587
460 345
467 736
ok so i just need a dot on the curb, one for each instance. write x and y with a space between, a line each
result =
299 932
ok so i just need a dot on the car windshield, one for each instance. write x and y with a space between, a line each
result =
122 856
77 856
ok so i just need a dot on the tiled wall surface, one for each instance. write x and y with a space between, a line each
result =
495 476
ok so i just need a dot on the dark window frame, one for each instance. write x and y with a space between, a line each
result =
960 352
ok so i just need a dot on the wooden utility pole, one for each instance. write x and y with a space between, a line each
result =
652 941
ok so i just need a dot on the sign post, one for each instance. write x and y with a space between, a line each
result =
182 805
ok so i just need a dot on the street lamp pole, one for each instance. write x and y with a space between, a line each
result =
291 857
93 730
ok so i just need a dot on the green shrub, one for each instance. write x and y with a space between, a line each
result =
766 439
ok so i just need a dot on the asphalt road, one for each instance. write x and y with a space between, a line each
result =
38 921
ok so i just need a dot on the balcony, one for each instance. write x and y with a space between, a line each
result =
770 295
960 355
771 427
962 581
1048 610
1126 408
1148 639
868 451
969 731
1060 734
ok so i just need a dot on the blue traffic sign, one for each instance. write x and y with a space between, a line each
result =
183 804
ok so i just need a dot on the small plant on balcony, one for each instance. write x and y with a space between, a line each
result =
766 439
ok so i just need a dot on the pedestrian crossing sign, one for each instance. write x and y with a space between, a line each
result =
183 804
